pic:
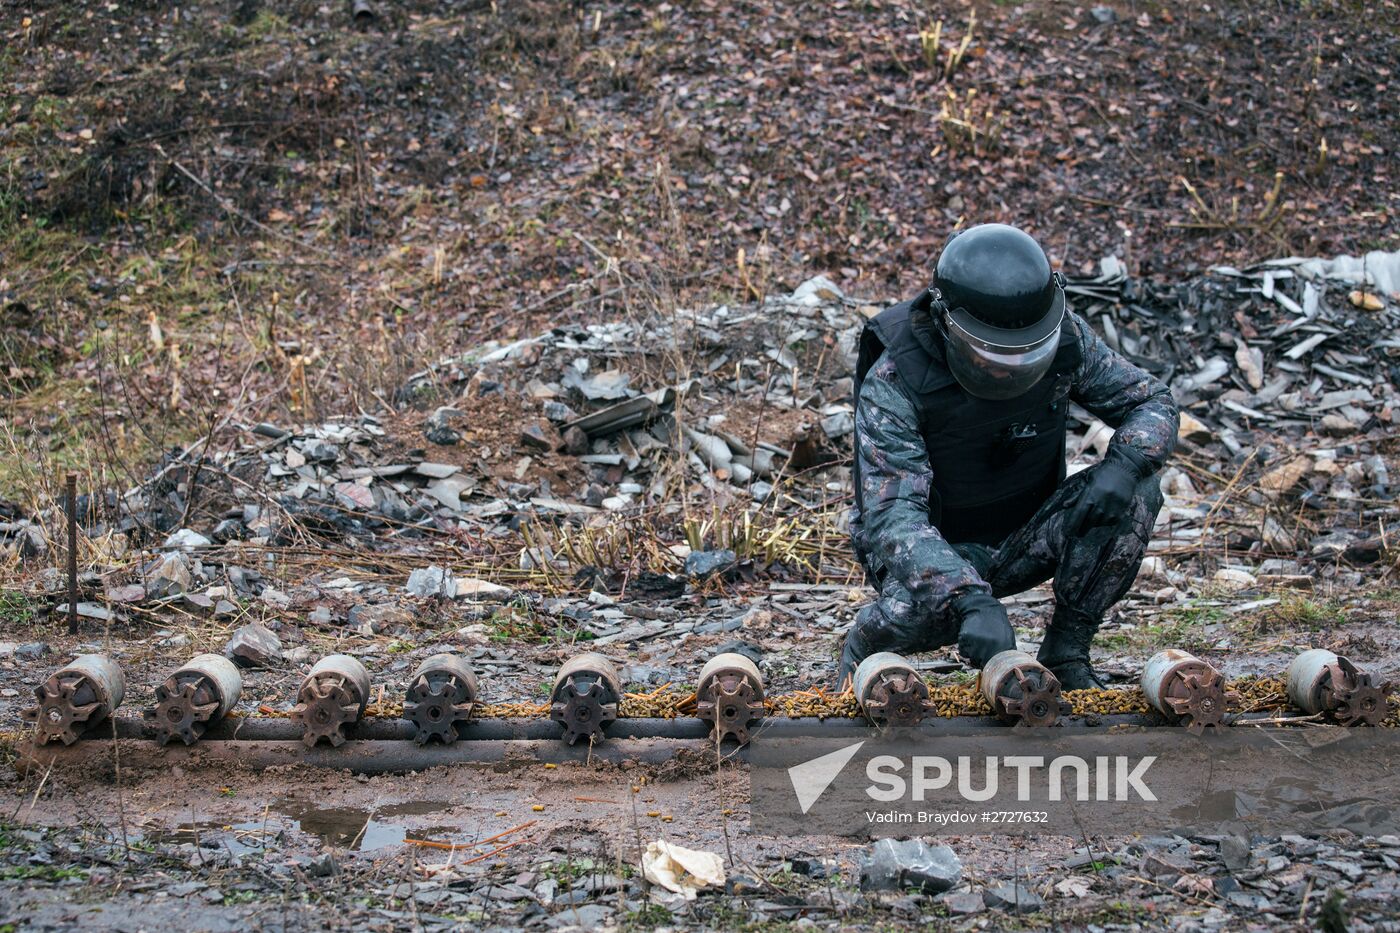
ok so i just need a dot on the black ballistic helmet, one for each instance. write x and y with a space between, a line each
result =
999 306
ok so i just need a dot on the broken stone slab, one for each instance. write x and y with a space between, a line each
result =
963 902
575 441
1235 852
30 543
1235 578
1337 425
1213 371
438 427
32 651
354 496
1193 430
1013 897
608 385
701 564
558 412
380 618
449 491
711 449
432 581
230 529
815 292
254 645
185 539
320 452
893 865
1164 864
482 589
633 413
93 611
129 593
171 576
272 431
1283 478
1333 544
838 424
383 471
535 436
436 470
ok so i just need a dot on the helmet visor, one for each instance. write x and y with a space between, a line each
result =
997 364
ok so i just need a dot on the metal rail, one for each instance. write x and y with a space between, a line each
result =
685 728
382 746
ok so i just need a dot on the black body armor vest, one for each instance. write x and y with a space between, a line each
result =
994 462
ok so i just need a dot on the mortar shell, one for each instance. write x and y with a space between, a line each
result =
889 690
732 661
199 693
344 668
593 666
1181 686
441 666
1320 681
333 696
1308 677
730 695
1021 689
441 693
585 697
76 697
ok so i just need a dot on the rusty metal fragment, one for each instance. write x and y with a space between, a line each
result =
585 697
1186 689
75 698
890 691
333 696
441 694
1022 690
730 696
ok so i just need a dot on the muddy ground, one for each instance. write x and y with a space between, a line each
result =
224 848
249 252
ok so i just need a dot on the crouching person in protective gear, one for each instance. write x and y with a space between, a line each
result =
960 489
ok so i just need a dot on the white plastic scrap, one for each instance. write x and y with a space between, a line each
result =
1380 270
684 871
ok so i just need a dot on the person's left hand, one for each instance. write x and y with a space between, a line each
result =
1105 498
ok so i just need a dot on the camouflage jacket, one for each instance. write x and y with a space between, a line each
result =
894 533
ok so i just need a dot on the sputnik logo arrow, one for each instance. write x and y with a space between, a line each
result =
811 778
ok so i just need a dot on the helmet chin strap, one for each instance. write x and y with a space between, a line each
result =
938 310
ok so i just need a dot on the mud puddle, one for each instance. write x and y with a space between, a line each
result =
361 830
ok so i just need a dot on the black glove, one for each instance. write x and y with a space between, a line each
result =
1105 498
984 631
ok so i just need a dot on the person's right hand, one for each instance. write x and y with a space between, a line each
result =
984 630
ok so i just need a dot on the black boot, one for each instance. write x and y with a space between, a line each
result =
853 652
1065 650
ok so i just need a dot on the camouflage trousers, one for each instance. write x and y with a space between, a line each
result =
1090 573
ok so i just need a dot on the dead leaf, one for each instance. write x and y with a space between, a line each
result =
1365 300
